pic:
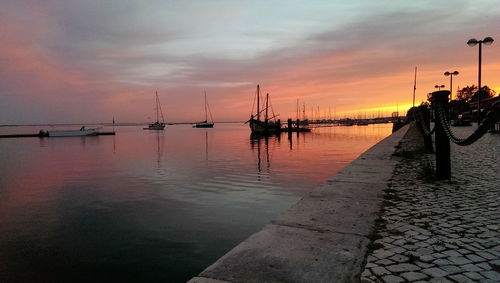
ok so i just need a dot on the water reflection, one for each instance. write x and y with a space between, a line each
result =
155 206
206 145
256 141
262 144
160 137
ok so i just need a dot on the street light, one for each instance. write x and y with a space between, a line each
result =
472 42
451 74
439 86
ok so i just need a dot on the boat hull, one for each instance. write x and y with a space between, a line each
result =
155 126
203 125
260 127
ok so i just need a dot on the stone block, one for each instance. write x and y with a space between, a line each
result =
435 272
336 214
413 276
280 253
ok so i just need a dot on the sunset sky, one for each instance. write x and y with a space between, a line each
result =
77 61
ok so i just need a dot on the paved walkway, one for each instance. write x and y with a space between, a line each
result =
441 231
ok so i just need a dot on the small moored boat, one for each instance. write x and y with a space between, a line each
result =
72 133
157 126
206 123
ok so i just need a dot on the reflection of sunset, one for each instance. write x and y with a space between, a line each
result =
72 202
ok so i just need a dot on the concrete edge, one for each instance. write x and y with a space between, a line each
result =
324 236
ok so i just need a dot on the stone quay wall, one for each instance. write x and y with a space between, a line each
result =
324 237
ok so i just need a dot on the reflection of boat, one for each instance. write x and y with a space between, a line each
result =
159 147
255 140
72 133
157 125
267 126
205 124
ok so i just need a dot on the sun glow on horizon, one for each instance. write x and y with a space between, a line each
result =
359 63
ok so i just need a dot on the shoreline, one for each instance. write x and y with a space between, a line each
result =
324 237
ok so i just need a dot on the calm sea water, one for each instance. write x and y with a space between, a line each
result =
152 206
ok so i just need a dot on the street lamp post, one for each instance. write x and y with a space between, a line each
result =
451 74
439 86
472 42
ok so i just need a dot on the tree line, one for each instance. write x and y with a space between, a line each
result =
462 99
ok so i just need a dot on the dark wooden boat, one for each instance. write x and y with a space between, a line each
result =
267 125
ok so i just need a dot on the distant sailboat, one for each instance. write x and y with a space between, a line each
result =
206 123
267 126
158 126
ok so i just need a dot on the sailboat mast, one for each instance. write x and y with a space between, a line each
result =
303 111
267 106
258 103
157 103
206 106
414 86
297 109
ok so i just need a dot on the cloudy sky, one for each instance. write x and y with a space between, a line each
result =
77 61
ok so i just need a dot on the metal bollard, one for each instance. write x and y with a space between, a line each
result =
443 161
427 122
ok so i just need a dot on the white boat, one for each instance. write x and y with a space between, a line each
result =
206 123
157 126
72 133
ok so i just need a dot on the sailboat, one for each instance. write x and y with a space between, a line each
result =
267 126
205 124
158 126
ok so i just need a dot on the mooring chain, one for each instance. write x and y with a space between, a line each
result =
491 117
421 124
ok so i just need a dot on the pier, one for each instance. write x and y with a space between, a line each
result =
307 125
45 135
344 122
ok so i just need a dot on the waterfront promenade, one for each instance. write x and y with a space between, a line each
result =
440 231
322 238
383 218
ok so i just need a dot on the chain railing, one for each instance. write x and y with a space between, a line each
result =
421 123
486 124
443 132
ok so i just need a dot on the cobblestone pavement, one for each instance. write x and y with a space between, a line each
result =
440 231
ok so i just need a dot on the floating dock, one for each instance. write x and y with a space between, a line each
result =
295 129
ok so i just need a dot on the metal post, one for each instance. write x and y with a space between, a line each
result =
443 161
414 86
427 122
479 86
451 86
